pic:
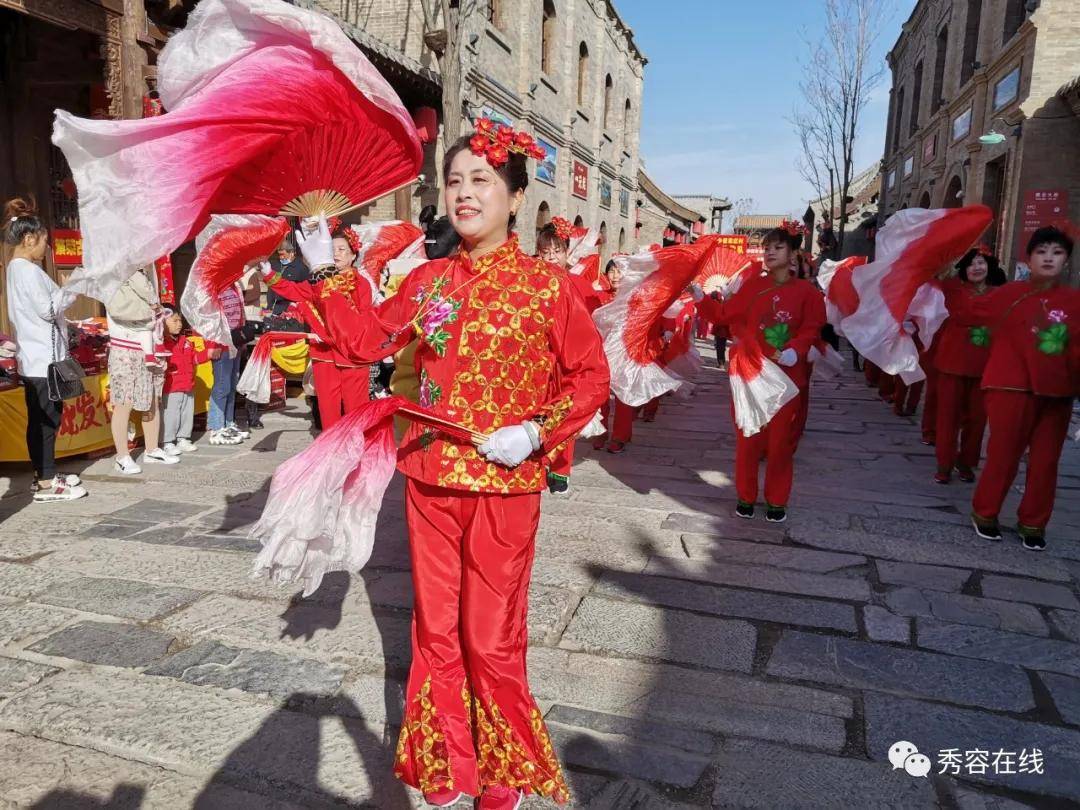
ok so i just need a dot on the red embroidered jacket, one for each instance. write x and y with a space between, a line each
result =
502 340
959 348
778 316
1034 337
352 284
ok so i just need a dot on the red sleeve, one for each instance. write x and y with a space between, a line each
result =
363 333
581 368
711 309
813 319
292 290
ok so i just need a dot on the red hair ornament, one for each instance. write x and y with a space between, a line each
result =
496 142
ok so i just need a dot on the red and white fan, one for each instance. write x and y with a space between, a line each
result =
912 247
271 110
723 271
630 324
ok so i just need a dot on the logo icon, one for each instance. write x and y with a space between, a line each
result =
905 756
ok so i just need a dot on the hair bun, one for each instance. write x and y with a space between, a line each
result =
19 207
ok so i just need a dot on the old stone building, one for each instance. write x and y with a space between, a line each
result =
663 220
984 109
566 70
710 207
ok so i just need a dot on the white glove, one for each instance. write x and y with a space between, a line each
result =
508 446
266 271
788 358
316 246
313 338
697 292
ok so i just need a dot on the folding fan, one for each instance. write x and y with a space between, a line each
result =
272 110
721 268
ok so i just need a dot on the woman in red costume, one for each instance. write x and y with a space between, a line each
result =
1031 378
506 349
960 356
784 315
341 384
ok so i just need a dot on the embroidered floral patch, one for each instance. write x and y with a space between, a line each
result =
777 335
979 336
1054 340
430 391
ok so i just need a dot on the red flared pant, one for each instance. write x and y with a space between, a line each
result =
469 718
961 417
340 390
906 397
777 443
1022 421
931 404
621 427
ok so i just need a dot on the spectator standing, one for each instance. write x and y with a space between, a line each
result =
136 378
41 338
178 397
221 419
292 268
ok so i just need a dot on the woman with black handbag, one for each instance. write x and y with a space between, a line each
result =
41 338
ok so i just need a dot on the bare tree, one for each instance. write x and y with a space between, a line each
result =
448 25
839 74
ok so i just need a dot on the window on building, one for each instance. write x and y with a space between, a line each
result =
939 69
954 194
1006 90
961 125
971 40
1014 18
924 201
916 98
627 115
890 122
579 222
609 91
547 36
622 240
582 74
898 119
909 165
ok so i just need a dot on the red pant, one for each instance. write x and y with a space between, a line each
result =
961 414
650 408
872 373
777 443
802 416
1022 421
470 719
930 406
906 397
622 430
887 385
340 390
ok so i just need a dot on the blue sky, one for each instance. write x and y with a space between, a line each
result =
721 82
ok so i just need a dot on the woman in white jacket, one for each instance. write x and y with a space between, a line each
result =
31 297
135 379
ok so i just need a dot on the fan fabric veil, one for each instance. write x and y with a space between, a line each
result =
266 102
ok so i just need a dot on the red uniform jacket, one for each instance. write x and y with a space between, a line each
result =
180 373
352 284
778 316
960 348
502 340
1034 337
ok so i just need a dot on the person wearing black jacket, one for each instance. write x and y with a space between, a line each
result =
288 263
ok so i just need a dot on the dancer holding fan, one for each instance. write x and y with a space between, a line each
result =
781 317
506 349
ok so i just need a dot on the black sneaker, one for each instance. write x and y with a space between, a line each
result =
557 484
1032 539
987 529
775 514
744 510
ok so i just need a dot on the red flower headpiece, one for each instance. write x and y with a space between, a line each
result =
497 142
563 228
350 236
793 228
983 250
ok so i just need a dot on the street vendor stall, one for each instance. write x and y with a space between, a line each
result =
85 424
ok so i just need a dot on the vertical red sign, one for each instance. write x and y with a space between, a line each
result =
580 184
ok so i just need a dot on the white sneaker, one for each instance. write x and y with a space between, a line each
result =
127 466
232 427
159 456
224 437
59 491
171 449
186 446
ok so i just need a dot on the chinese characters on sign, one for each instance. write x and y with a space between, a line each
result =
737 243
979 762
67 247
580 184
1043 207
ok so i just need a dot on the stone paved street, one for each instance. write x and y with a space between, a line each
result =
683 658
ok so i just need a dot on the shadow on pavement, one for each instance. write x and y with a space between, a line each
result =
124 797
282 758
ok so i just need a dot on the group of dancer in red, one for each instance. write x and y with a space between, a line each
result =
507 348
1007 358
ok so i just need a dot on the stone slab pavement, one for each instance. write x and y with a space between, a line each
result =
683 658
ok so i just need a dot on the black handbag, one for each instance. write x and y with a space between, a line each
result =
65 377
